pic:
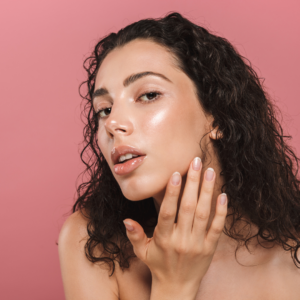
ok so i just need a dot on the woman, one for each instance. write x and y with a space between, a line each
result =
202 176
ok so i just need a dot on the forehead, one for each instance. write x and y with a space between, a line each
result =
136 56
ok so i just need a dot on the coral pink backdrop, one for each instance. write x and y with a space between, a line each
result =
43 45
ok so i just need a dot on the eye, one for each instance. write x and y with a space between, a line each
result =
103 112
148 98
152 96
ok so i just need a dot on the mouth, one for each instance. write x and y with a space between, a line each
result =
127 166
126 159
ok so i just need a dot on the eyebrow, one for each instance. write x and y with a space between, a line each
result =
129 80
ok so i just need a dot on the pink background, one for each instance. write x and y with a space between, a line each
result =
43 44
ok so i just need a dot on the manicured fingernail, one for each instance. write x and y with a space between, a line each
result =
128 226
196 163
223 199
209 174
176 178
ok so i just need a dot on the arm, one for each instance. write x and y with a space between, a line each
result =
82 280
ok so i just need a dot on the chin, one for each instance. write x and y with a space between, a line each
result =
136 196
138 191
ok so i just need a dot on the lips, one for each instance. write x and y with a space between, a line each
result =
129 165
123 150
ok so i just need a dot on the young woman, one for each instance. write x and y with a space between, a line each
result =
182 144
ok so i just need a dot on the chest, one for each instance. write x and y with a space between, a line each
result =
222 281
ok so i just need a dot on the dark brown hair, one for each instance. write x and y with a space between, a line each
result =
259 168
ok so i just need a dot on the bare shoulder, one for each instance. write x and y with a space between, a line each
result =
82 279
73 229
285 276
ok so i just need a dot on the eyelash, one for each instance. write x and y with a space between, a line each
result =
158 94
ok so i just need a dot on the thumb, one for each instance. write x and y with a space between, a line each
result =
137 237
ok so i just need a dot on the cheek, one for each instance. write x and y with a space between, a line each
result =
173 135
103 143
169 137
171 144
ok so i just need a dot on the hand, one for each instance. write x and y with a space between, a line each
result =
179 254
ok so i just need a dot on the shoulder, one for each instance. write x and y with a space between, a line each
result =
284 275
73 230
82 279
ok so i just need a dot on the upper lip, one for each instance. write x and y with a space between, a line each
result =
122 150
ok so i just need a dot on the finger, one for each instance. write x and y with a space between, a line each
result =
203 208
218 222
168 208
137 237
189 198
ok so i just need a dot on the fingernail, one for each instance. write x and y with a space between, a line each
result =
128 226
176 178
209 174
196 163
223 199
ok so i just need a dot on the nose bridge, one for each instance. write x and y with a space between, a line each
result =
118 121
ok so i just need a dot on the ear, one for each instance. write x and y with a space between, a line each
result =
215 134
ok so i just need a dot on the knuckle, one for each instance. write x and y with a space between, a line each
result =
166 214
181 248
217 230
202 215
197 250
193 177
172 192
162 242
208 189
187 207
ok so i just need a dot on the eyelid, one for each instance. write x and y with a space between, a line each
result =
155 91
100 104
100 107
97 113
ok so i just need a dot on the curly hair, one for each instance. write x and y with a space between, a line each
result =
259 168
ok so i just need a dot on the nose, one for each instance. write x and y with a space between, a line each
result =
118 123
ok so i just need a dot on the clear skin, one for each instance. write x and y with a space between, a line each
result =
182 260
173 124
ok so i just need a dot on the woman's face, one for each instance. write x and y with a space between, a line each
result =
165 125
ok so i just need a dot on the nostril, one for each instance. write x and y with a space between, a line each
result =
110 135
120 129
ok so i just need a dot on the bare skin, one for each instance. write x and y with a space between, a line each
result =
274 277
173 125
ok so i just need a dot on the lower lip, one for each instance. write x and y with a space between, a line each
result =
128 166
